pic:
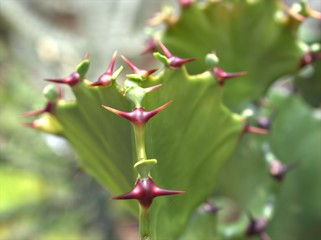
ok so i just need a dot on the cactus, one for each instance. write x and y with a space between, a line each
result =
190 139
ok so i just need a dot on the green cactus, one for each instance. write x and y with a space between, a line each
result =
188 141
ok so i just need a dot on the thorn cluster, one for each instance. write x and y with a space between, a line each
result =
71 80
145 191
174 61
106 78
138 116
221 76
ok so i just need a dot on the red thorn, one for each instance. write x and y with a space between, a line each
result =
150 46
138 116
150 89
250 129
174 61
177 62
167 53
141 72
70 80
221 76
145 191
106 78
50 107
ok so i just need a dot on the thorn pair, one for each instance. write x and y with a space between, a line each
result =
138 116
145 190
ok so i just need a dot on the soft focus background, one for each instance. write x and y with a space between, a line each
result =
43 194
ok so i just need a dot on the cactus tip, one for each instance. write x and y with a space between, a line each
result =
71 80
221 76
138 116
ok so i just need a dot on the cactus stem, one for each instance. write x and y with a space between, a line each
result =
71 80
145 191
221 76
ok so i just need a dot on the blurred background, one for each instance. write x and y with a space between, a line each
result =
43 194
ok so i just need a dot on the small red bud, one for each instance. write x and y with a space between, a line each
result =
145 191
221 76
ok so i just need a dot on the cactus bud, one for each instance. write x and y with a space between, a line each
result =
211 60
83 67
255 130
145 191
